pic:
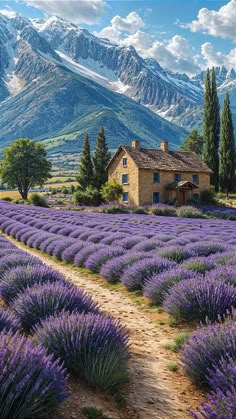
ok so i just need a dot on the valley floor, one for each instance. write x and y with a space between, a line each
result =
154 391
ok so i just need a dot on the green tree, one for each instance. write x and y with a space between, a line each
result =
211 127
194 142
100 160
227 149
215 128
85 175
112 191
25 165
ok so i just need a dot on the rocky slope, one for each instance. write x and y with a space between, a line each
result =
57 81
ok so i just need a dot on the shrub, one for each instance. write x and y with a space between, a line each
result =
226 258
206 347
70 252
113 269
199 265
189 212
85 252
226 274
20 259
8 321
200 298
206 249
60 246
175 253
147 245
91 346
222 401
112 191
157 287
164 211
222 406
97 259
39 302
32 384
18 279
89 196
136 274
223 374
38 200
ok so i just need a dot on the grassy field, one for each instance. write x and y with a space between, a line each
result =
16 195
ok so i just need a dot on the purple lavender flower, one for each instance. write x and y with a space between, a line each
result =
91 346
39 302
200 299
85 252
71 251
26 366
8 321
19 259
96 260
18 279
175 253
199 265
157 286
206 347
60 246
226 274
206 248
136 274
113 269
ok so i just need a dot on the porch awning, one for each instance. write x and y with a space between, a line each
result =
183 184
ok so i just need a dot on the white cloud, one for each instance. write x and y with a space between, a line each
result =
8 13
175 54
213 58
129 25
77 11
217 23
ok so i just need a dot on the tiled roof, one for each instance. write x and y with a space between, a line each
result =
147 158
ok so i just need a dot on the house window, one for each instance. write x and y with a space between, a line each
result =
125 197
177 177
196 179
196 196
124 162
156 177
156 197
124 179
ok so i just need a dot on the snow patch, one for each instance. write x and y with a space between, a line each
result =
95 71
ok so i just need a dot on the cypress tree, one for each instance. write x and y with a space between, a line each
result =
215 132
100 160
85 175
211 127
227 149
194 142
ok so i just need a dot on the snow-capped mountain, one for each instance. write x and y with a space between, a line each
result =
58 80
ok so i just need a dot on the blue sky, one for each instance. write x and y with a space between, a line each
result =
183 35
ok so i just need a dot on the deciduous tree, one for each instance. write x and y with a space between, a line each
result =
25 165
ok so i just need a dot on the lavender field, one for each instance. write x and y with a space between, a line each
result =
188 266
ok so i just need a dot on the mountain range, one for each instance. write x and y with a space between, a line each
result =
58 81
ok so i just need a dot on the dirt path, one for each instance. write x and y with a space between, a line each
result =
154 391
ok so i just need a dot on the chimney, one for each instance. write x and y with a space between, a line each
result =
164 146
135 143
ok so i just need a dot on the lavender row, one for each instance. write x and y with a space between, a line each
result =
70 334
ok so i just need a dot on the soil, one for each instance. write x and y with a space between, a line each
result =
154 391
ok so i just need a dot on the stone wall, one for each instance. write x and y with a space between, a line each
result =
116 170
147 187
140 181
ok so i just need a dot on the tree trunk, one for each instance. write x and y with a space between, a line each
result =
24 194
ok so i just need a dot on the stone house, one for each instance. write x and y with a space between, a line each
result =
151 176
